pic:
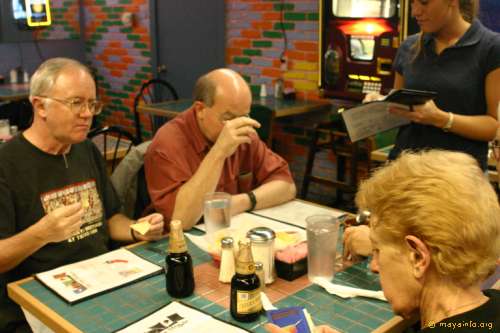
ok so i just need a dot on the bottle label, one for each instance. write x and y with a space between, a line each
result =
245 267
176 246
248 301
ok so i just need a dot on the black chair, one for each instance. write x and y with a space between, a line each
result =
153 91
349 156
114 142
19 113
265 117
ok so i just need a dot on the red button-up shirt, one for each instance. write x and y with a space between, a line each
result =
178 149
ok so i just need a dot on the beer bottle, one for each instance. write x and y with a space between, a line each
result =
245 301
179 265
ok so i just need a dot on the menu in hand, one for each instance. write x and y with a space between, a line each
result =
81 280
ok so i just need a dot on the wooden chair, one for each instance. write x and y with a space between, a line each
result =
114 142
153 91
348 155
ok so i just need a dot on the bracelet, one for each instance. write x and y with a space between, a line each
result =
449 123
253 201
133 235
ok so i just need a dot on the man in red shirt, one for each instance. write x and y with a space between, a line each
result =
213 146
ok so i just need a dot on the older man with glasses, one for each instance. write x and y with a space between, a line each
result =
57 204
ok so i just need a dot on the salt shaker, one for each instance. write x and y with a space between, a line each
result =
262 240
226 271
259 271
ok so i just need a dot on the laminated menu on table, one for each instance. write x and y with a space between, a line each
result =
81 280
180 318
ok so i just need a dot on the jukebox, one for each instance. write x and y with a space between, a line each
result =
359 40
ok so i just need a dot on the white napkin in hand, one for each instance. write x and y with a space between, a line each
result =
266 303
347 292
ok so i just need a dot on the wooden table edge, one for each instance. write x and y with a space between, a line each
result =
42 312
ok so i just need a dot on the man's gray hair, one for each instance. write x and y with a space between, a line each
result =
46 75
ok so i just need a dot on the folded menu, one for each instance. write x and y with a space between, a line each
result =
180 318
81 280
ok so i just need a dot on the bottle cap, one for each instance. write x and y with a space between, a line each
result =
227 242
176 242
244 262
261 235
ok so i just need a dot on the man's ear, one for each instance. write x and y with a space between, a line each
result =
39 107
199 109
420 255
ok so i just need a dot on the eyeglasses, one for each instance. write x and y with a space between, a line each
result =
495 148
78 105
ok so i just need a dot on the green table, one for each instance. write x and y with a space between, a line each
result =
118 308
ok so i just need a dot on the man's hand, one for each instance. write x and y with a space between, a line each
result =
357 242
234 133
155 231
60 224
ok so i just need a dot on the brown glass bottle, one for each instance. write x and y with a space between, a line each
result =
179 265
245 301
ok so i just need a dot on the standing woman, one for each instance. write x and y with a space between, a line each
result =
457 57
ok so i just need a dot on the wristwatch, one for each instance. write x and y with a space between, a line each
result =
253 201
449 123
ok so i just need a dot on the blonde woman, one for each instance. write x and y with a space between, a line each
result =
435 235
457 57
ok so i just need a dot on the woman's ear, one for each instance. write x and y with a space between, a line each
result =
420 255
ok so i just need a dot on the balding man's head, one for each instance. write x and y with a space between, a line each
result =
219 96
221 82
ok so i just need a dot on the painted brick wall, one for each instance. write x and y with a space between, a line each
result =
119 54
65 20
255 42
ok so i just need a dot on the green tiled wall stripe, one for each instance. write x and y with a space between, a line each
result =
242 60
295 16
252 52
285 26
272 34
285 6
262 43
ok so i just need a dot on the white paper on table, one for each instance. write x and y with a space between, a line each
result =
179 318
241 224
266 302
347 292
85 278
295 212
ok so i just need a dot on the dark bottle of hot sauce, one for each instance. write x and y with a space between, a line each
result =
245 287
179 265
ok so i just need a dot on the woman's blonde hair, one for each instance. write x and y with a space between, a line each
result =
444 199
468 9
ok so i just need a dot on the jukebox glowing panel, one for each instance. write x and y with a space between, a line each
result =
359 39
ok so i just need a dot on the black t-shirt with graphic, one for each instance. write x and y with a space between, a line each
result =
33 183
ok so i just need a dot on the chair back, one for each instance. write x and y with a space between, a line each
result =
129 181
114 142
265 117
153 91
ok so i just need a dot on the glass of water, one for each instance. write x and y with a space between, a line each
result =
216 213
322 235
4 129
